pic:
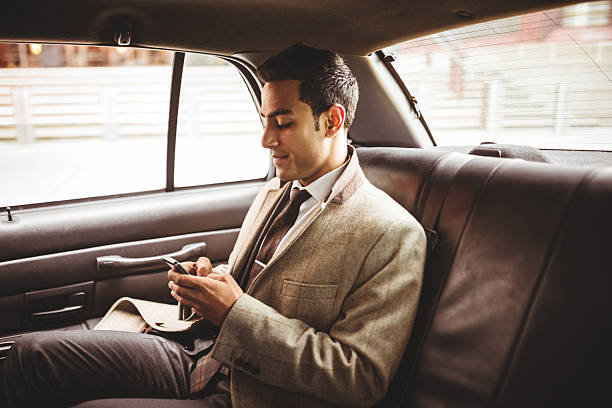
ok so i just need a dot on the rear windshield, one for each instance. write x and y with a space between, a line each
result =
542 79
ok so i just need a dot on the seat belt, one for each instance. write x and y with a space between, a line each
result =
387 59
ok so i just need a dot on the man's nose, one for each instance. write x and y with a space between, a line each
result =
268 138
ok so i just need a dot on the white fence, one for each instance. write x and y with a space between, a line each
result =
115 102
550 94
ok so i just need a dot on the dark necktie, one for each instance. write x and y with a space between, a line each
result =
279 228
206 366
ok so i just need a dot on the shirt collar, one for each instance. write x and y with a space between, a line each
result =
321 187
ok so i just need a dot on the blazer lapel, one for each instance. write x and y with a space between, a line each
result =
269 204
349 182
296 234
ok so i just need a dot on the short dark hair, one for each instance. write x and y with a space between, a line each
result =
326 79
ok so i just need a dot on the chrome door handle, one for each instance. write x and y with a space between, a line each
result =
5 346
50 314
118 263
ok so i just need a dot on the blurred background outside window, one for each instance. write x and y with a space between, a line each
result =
219 129
542 79
84 121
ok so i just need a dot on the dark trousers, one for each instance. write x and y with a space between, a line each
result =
118 369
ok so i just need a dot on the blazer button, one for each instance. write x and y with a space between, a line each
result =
255 370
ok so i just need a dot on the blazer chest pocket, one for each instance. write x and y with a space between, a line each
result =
313 304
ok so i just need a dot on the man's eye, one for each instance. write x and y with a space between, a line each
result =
284 125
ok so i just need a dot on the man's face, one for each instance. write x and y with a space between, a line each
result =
299 151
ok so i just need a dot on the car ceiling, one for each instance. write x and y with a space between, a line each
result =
235 26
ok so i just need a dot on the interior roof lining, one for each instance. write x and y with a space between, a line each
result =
226 28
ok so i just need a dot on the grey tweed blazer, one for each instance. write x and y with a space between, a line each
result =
326 321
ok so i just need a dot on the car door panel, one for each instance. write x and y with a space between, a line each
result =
62 265
48 230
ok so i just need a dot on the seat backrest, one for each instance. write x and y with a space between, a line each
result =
514 309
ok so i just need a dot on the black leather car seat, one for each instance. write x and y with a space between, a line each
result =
515 306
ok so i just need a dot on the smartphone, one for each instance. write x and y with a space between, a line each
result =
171 262
184 312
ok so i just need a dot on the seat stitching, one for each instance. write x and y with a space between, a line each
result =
426 186
444 193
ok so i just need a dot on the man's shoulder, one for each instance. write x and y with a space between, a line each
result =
377 200
377 206
273 184
270 185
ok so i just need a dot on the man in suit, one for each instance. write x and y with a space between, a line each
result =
316 303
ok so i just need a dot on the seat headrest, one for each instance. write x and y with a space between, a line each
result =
510 151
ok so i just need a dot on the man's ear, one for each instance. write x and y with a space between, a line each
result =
335 119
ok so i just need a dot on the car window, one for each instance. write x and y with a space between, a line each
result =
540 79
219 129
81 121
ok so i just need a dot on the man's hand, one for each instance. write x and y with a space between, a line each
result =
202 267
211 294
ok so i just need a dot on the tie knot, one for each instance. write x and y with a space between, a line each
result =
298 196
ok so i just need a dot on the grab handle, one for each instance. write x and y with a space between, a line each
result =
120 263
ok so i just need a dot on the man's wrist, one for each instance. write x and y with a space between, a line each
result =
229 309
